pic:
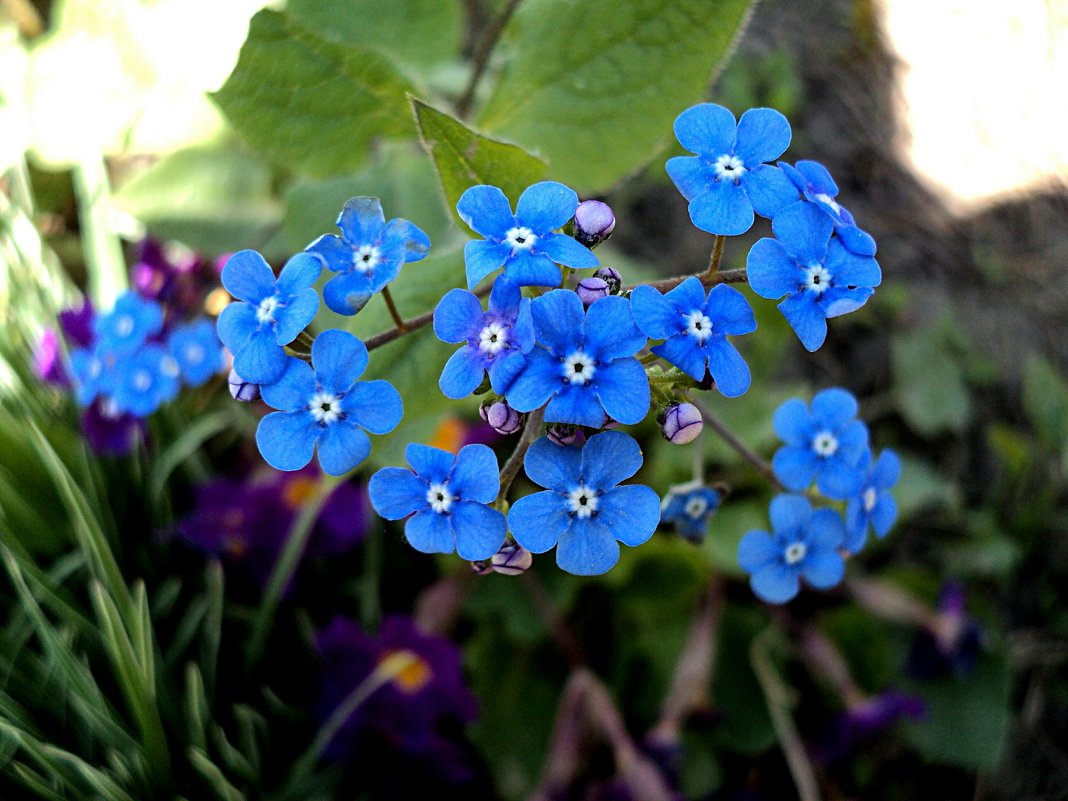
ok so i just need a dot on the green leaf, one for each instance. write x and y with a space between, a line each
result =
464 158
1045 398
929 383
310 103
595 86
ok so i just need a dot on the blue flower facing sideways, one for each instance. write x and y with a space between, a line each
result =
326 406
817 186
819 276
368 254
689 507
826 444
728 179
447 499
524 243
582 510
583 365
196 348
495 340
271 312
802 543
873 502
694 329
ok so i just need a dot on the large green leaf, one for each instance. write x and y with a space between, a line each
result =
929 383
594 86
311 103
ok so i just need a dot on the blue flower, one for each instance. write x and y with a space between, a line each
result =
145 380
826 444
327 406
368 254
803 543
496 339
523 243
126 327
447 497
584 367
196 348
815 184
583 512
695 330
819 276
873 503
93 374
728 179
272 314
689 507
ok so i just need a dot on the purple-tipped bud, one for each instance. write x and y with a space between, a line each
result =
565 434
501 417
48 361
681 423
610 276
510 560
591 289
594 222
242 390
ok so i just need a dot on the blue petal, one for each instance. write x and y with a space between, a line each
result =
293 389
538 521
728 368
837 301
463 373
504 370
706 129
575 404
567 251
789 513
552 466
476 476
757 549
300 273
482 257
775 583
396 492
857 241
342 446
361 220
763 135
631 513
558 318
825 531
260 360
772 272
729 311
853 443
623 389
287 439
339 358
688 296
458 316
833 407
236 324
523 331
839 480
653 313
430 532
431 464
528 268
856 523
883 514
724 209
887 470
610 457
818 178
823 570
247 276
804 232
479 530
684 352
386 270
546 206
691 176
347 293
486 211
806 317
375 405
795 467
539 381
769 190
588 548
849 269
610 332
407 236
294 316
792 422
505 298
335 253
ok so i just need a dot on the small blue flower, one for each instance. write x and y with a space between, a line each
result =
584 365
583 512
523 243
819 276
368 254
496 339
803 543
447 499
695 330
126 327
196 348
93 373
826 444
873 503
728 179
815 184
145 380
689 507
272 314
327 406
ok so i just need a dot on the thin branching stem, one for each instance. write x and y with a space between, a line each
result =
511 467
716 257
723 277
410 325
482 55
387 296
743 450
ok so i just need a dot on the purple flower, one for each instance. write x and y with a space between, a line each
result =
48 361
77 325
111 432
952 641
591 289
594 222
681 423
501 417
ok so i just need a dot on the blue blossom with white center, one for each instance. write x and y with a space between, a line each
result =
446 496
145 380
126 327
368 254
196 348
583 511
524 243
873 503
803 543
695 328
271 312
93 373
325 405
583 365
495 340
819 276
826 444
689 507
817 186
729 178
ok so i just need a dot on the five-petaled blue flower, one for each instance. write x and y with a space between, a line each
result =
817 186
145 380
126 327
582 511
689 507
873 503
695 330
584 364
802 543
819 276
327 406
196 348
368 254
523 243
93 373
728 178
272 312
496 339
447 497
827 444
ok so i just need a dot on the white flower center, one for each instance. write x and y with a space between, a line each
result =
825 443
578 368
366 258
194 353
110 409
698 325
169 367
520 238
95 367
817 278
696 507
124 325
265 311
795 552
323 407
827 200
869 497
142 380
439 497
728 166
582 501
492 338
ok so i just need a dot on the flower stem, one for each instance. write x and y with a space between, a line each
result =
413 324
716 257
728 436
511 467
482 55
726 277
388 298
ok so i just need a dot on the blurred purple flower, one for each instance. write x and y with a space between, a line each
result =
951 643
109 431
48 361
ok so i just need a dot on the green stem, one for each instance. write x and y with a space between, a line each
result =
103 251
728 436
413 324
482 55
511 467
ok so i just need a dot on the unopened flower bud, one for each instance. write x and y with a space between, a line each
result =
564 434
594 222
610 276
510 560
242 390
591 289
501 417
681 423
